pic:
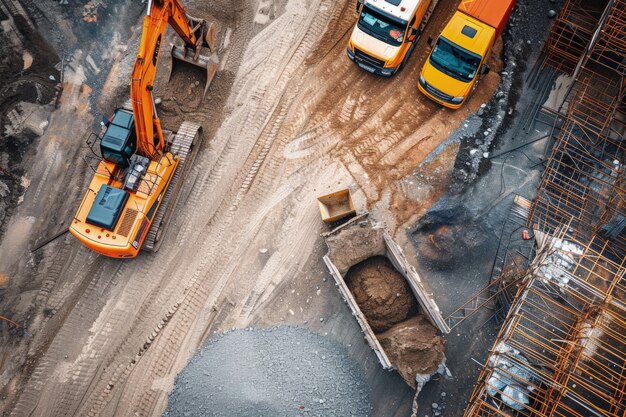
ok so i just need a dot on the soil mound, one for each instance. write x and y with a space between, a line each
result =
414 347
381 292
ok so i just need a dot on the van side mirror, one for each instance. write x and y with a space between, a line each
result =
430 41
359 6
484 70
412 32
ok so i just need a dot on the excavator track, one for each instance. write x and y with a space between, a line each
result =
185 144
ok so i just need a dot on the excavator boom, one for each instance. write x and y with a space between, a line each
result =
196 35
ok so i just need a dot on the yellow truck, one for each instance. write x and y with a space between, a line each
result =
386 33
459 56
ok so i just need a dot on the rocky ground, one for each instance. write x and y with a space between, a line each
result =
29 69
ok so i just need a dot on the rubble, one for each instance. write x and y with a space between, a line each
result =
511 379
90 11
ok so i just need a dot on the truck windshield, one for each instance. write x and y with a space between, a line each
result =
381 27
454 60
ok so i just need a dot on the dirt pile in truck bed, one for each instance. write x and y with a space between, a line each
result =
381 292
414 347
409 339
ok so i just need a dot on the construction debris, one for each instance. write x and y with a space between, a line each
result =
508 382
90 11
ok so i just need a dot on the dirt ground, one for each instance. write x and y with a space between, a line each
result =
29 78
287 118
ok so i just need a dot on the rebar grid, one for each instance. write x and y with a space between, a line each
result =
562 349
595 101
583 182
564 342
571 33
615 213
610 50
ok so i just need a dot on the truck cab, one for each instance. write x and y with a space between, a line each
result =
457 60
459 55
386 32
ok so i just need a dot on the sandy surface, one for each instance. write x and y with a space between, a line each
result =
288 118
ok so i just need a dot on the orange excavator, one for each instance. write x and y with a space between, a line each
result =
141 167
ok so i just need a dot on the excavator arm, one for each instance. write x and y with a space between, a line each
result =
195 33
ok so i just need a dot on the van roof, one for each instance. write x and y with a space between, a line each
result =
401 9
487 11
468 33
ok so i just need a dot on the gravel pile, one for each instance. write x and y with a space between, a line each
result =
282 371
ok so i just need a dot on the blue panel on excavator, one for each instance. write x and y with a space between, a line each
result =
107 207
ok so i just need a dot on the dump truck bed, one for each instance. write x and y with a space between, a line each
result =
495 13
358 240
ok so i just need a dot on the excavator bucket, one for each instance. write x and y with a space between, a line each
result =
202 55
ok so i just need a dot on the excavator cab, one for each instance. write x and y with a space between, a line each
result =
202 55
120 140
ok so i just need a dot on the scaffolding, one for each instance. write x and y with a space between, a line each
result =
583 182
562 349
610 48
571 33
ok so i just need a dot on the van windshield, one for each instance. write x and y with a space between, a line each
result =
454 60
381 27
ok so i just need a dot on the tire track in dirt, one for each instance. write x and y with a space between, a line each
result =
56 360
196 297
196 304
136 339
300 111
79 372
372 150
381 129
